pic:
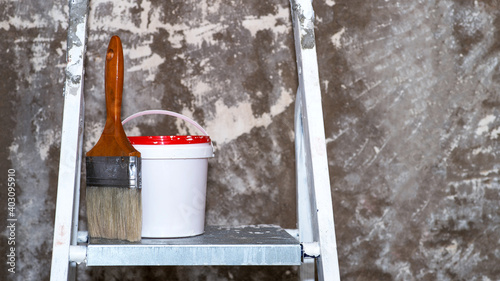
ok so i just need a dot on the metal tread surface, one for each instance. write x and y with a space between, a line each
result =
219 245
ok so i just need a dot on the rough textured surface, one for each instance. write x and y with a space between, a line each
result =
410 103
412 128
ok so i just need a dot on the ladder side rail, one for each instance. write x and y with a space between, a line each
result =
76 197
71 143
304 214
314 139
304 196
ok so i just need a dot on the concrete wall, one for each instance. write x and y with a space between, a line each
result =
409 97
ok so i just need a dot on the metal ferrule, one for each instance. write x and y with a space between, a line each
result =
119 171
134 172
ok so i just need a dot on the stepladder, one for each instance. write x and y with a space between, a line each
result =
313 242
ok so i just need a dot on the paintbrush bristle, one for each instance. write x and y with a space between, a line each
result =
114 212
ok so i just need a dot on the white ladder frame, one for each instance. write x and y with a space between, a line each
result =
316 230
314 203
68 186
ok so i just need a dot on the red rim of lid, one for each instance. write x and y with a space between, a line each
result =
166 140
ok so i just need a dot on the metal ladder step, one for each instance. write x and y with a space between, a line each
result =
239 245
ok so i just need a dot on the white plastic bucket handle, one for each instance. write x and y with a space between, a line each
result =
165 112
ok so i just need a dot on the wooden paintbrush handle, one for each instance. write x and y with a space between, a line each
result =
113 84
113 141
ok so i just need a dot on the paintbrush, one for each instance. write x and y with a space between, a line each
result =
114 209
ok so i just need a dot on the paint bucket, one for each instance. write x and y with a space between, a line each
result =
174 180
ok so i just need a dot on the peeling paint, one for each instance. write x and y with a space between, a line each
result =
337 37
330 3
241 119
307 40
40 55
306 19
149 64
483 125
256 23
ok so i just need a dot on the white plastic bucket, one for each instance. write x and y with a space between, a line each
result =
174 181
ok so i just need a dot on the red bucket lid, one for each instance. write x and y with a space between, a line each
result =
168 140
